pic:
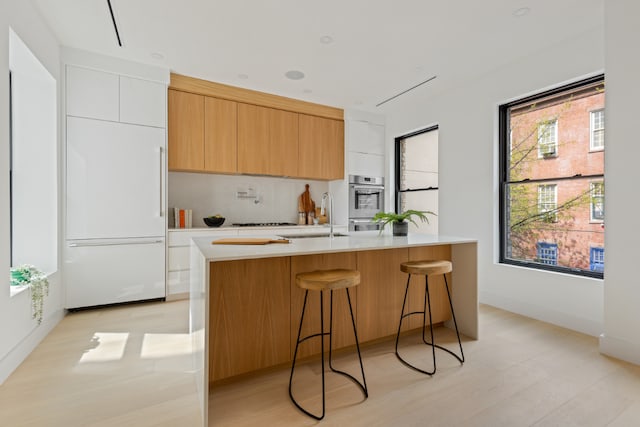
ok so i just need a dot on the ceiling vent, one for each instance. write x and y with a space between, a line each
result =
405 91
115 25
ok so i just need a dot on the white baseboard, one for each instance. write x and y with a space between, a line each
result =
19 353
620 349
578 324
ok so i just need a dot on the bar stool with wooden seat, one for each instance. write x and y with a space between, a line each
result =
326 280
426 269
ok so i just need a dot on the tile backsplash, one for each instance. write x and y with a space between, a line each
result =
240 198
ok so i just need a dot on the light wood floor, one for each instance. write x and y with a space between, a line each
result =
127 366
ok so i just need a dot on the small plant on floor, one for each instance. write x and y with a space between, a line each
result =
28 275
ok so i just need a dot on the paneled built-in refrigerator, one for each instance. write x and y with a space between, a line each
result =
115 212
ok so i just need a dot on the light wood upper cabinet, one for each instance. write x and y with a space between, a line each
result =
253 139
220 135
283 143
186 131
320 148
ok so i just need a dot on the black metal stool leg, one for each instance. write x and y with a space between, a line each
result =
295 354
427 309
453 315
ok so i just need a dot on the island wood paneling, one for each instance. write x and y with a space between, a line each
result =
250 315
381 292
218 90
342 328
220 135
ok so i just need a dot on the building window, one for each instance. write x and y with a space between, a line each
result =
558 201
596 259
417 175
597 201
548 202
547 253
548 138
596 143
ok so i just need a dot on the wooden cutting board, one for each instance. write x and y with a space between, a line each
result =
247 241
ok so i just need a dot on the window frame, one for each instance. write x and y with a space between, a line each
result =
546 245
592 251
504 143
398 172
592 130
592 185
542 208
542 154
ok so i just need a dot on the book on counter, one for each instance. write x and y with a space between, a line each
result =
183 218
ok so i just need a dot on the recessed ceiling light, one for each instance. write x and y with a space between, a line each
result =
307 91
521 12
294 75
326 39
157 55
243 76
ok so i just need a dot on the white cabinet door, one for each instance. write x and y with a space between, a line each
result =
376 139
92 94
365 137
143 102
115 271
365 164
115 180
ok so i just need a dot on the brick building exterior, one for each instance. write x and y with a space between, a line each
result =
559 143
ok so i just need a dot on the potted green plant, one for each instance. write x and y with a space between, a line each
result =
28 275
401 221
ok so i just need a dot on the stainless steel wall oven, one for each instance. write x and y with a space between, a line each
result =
366 198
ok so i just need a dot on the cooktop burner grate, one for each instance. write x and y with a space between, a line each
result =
262 224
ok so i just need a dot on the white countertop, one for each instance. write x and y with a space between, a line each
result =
359 241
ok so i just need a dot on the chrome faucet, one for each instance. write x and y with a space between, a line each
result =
322 211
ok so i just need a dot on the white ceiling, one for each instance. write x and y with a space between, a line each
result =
380 47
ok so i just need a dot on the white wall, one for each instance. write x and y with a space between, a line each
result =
18 332
468 162
621 337
209 194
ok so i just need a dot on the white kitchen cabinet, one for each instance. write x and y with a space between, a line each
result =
92 94
365 137
179 258
365 164
115 180
143 102
98 273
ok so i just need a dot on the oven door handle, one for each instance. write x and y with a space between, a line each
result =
368 187
367 221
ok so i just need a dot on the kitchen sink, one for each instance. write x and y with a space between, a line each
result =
309 236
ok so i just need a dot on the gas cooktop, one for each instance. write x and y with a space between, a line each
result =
262 224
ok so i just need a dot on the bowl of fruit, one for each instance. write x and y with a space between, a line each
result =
214 221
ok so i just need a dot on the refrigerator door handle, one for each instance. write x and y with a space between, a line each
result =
120 243
161 186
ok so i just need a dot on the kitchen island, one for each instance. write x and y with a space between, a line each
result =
245 306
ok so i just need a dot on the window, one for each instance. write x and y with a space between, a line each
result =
417 174
547 253
596 142
597 201
559 201
596 259
548 138
548 201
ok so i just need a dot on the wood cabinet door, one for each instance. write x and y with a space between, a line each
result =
249 320
253 139
283 143
321 148
186 131
380 293
220 135
342 328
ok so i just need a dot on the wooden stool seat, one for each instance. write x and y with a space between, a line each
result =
426 268
328 279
